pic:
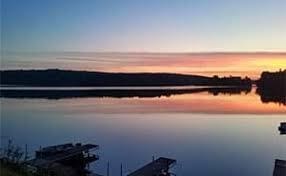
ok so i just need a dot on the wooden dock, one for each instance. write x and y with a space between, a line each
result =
280 168
157 167
66 153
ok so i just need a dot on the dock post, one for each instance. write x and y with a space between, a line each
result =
26 152
121 169
107 171
41 151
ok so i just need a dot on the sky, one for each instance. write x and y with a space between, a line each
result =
207 64
160 26
144 25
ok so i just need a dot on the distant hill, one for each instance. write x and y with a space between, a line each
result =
55 77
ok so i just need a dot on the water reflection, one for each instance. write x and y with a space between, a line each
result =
140 92
185 100
269 95
203 144
202 128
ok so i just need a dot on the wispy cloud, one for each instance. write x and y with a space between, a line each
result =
224 64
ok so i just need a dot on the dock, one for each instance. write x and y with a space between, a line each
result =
65 155
280 168
282 128
158 167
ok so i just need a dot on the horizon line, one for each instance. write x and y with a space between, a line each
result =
93 71
150 52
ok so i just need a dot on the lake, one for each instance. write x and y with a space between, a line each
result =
208 132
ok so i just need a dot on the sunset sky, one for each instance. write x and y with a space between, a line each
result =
184 36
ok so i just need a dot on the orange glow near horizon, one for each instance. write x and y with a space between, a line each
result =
207 64
251 66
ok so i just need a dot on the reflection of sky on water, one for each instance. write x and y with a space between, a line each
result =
203 102
203 143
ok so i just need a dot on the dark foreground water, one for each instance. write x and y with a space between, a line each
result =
226 134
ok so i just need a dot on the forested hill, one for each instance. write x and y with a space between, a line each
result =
55 77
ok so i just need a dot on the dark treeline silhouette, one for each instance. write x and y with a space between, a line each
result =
56 78
272 87
143 93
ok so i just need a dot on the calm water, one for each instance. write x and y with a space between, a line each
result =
226 134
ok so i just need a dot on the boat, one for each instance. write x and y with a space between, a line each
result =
279 168
282 128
